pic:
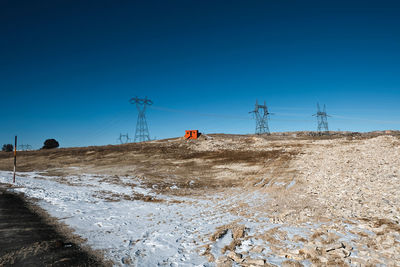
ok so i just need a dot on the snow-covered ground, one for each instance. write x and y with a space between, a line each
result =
140 233
170 231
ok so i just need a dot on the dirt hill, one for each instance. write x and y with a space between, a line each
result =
343 184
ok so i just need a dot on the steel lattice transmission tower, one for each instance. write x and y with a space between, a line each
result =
123 139
25 147
142 131
261 114
322 119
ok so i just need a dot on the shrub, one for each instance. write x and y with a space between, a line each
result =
7 147
50 143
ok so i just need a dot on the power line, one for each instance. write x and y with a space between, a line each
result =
366 120
217 115
280 114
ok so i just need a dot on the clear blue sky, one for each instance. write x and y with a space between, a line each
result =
69 68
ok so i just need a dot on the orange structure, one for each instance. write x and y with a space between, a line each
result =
191 134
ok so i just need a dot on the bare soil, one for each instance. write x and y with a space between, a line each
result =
28 239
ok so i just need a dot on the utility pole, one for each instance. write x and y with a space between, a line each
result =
142 131
15 159
261 114
123 139
322 119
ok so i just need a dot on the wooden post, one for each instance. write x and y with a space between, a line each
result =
15 158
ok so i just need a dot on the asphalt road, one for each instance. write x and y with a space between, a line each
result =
27 240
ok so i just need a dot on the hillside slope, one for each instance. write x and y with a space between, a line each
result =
278 199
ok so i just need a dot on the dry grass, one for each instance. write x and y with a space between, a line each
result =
162 164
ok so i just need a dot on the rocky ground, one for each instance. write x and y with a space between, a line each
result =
288 200
339 206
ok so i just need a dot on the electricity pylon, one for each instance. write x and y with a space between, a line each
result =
25 147
123 139
261 114
142 131
322 119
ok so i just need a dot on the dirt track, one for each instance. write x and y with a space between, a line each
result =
27 240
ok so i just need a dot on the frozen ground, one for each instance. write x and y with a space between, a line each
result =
158 230
142 233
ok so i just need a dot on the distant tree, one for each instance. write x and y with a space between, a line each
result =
7 147
50 143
